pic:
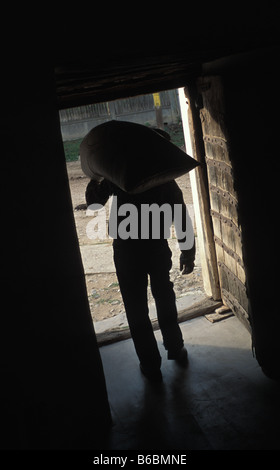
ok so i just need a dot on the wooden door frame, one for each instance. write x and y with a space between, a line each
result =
200 192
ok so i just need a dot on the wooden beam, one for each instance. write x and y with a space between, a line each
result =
206 245
199 309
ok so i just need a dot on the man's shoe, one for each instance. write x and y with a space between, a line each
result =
181 357
153 375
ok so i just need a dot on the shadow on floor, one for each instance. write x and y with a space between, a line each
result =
222 401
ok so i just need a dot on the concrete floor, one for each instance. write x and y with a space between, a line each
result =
222 401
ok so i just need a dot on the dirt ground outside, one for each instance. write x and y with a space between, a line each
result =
104 296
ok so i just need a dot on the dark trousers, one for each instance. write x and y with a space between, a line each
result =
134 262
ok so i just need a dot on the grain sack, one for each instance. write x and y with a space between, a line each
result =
132 156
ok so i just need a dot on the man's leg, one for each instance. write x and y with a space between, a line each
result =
163 293
133 282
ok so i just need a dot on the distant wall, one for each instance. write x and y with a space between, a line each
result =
76 122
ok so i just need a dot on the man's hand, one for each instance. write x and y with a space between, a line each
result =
186 266
187 258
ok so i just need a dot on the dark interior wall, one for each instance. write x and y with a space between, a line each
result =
251 104
109 55
53 392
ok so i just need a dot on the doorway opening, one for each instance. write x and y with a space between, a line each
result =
107 310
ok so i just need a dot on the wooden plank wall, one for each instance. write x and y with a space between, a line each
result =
223 199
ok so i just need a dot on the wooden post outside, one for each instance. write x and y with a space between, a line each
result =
205 237
158 110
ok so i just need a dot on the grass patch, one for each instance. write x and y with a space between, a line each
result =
72 150
176 135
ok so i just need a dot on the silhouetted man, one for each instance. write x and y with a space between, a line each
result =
140 250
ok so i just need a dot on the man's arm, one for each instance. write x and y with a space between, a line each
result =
184 232
187 242
98 192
